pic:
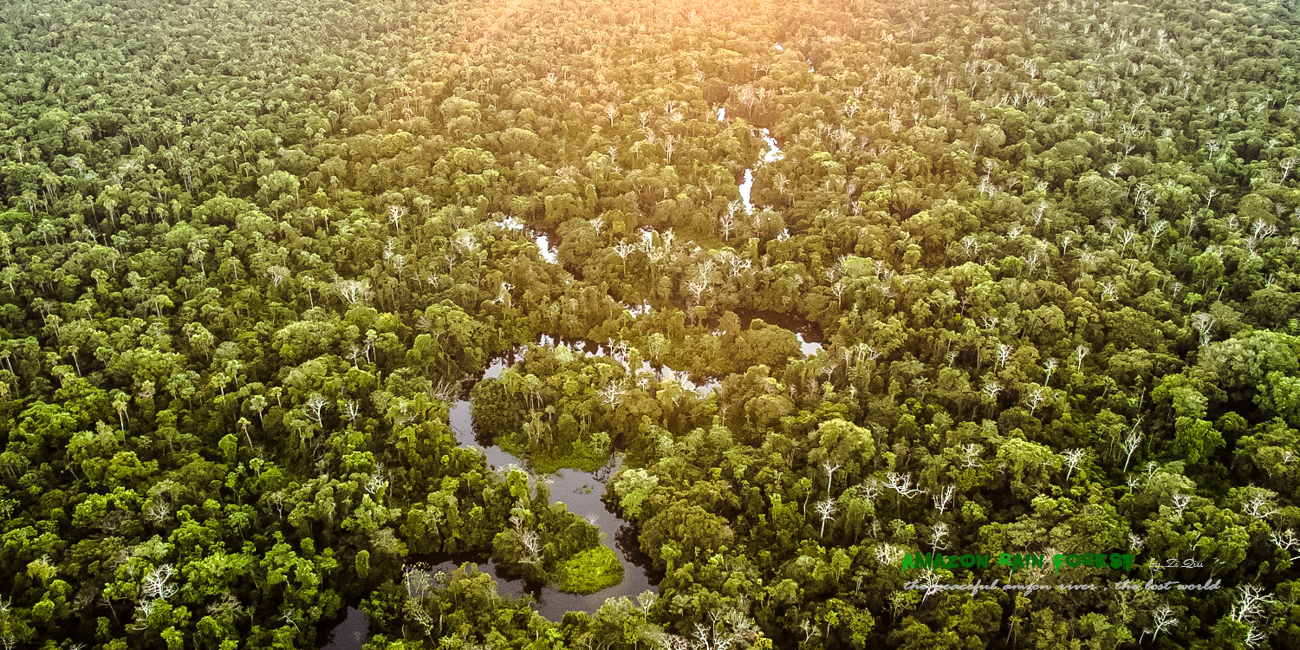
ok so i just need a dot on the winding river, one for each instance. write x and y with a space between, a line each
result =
580 491
772 154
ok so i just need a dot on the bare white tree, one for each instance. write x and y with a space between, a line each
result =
837 290
351 410
352 291
1126 237
938 536
1251 603
869 489
991 389
1035 399
1135 542
697 287
532 543
901 483
1204 323
395 214
1157 229
826 508
1254 636
888 555
466 242
1107 291
728 219
830 473
929 583
315 407
1286 540
1079 353
612 395
1180 502
1004 353
1072 459
158 510
156 583
1261 230
1131 443
1287 165
622 249
1162 618
1260 505
943 498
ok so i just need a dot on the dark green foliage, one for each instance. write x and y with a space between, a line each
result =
249 253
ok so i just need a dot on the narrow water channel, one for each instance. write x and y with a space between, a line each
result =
580 491
747 186
808 332
772 154
351 634
544 248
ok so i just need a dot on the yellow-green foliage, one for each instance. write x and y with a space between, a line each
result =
590 571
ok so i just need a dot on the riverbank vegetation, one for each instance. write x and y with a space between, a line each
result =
249 252
591 571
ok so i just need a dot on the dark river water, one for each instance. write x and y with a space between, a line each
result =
809 333
581 492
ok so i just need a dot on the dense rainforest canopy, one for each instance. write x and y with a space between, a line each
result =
249 252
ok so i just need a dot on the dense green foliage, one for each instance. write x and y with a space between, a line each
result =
249 251
590 571
572 438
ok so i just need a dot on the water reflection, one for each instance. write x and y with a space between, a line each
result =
462 425
774 152
809 348
809 333
544 248
581 492
745 187
351 634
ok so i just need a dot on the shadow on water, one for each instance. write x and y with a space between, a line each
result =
811 331
580 491
351 634
811 339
